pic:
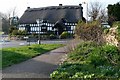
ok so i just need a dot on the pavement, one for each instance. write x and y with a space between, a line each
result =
39 67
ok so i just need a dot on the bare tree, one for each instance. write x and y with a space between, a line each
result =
4 23
0 22
12 12
7 18
97 11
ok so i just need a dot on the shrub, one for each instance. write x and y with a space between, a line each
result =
65 35
52 36
82 51
23 32
90 31
111 53
11 29
15 32
106 31
90 60
96 58
117 24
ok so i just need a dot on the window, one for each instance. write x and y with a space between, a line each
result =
48 24
37 28
23 25
69 31
50 28
23 28
31 29
43 23
19 28
53 24
65 23
72 28
43 29
69 23
68 28
37 24
30 25
34 24
72 23
34 28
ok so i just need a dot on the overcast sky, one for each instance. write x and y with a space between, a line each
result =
21 5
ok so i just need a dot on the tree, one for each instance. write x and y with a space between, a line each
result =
9 19
4 23
12 16
97 12
113 13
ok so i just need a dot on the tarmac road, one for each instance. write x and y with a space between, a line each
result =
21 43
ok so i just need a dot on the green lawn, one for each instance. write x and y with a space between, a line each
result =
16 55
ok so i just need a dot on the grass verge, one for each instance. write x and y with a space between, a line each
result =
16 55
89 61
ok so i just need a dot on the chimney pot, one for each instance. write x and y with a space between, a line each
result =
60 4
28 7
80 4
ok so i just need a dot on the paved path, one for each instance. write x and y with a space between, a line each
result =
38 67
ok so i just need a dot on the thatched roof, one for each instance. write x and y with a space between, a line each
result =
52 14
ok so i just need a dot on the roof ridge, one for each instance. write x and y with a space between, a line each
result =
55 7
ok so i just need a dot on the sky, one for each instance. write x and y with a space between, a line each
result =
21 5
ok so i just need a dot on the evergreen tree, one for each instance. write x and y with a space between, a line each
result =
114 12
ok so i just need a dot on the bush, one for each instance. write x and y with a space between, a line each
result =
65 35
90 60
117 24
15 32
11 29
52 36
111 53
22 32
90 31
106 31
